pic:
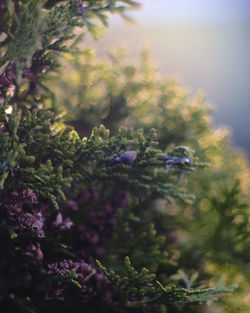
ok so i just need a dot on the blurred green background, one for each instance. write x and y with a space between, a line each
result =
203 43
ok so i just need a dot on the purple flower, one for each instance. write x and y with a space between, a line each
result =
99 225
4 8
26 220
90 280
71 205
62 224
55 292
2 128
7 79
20 208
29 196
79 7
31 72
86 195
63 268
80 271
35 254
33 221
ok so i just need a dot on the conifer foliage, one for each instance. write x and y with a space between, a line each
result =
79 227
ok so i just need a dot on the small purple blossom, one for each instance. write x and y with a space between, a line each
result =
66 267
20 208
91 281
30 196
62 224
35 254
79 7
99 225
55 292
80 271
26 220
7 79
86 195
31 72
33 221
71 205
16 200
4 8
2 128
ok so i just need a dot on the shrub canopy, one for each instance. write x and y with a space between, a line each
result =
107 201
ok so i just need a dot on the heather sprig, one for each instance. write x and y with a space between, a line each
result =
68 272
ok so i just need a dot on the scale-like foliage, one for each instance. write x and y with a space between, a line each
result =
142 289
137 96
66 201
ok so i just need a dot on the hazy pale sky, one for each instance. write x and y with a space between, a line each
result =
204 43
194 10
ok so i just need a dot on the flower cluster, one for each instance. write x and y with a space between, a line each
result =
34 254
68 271
4 8
62 224
7 80
98 226
20 209
90 282
31 72
79 7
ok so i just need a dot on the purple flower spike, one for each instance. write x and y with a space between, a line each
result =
30 195
127 157
99 225
2 128
32 221
84 273
55 292
79 7
62 224
35 254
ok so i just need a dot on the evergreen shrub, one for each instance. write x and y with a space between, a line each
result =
107 199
